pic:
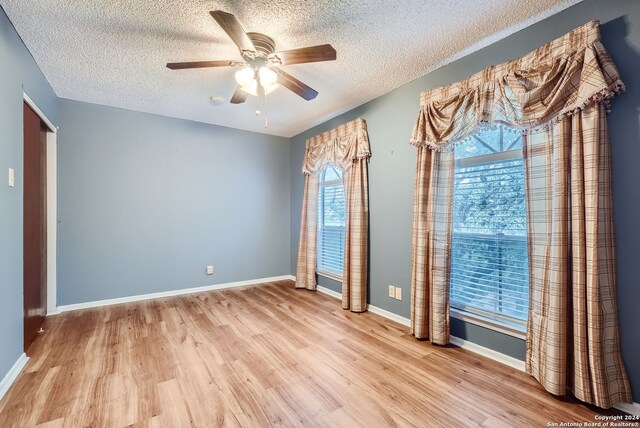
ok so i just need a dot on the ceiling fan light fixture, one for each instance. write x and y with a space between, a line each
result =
246 78
268 78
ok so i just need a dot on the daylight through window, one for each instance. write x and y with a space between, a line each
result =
489 263
331 222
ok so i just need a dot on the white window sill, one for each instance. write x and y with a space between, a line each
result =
501 327
331 275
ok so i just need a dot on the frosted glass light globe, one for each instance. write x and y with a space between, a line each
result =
246 78
268 77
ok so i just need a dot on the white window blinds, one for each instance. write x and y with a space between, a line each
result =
331 222
489 263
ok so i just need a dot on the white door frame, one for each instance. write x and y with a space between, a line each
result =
52 205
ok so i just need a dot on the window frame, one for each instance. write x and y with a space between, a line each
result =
504 327
492 322
336 276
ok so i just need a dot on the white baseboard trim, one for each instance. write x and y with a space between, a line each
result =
171 293
489 353
376 310
390 315
12 374
631 408
329 292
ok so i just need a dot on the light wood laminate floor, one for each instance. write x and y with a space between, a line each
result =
260 356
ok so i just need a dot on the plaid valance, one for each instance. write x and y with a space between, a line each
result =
340 146
555 80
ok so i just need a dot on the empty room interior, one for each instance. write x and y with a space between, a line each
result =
328 213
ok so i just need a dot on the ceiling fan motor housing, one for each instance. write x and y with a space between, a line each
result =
265 45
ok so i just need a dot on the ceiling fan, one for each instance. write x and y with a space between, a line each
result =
260 73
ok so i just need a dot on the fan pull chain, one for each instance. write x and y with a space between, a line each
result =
266 110
260 89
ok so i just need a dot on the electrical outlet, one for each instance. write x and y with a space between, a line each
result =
392 291
398 295
209 270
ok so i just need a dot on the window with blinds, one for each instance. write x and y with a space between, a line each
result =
489 262
331 222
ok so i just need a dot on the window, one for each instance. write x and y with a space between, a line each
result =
489 262
331 221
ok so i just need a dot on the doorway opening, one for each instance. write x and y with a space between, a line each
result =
35 221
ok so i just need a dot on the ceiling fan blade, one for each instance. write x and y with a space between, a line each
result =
201 64
239 96
294 85
304 55
234 30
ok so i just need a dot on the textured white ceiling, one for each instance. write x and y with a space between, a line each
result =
113 52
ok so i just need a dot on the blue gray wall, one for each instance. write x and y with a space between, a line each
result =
145 202
390 120
18 73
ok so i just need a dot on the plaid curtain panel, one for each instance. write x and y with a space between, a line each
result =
306 268
573 341
431 249
346 147
356 245
558 96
